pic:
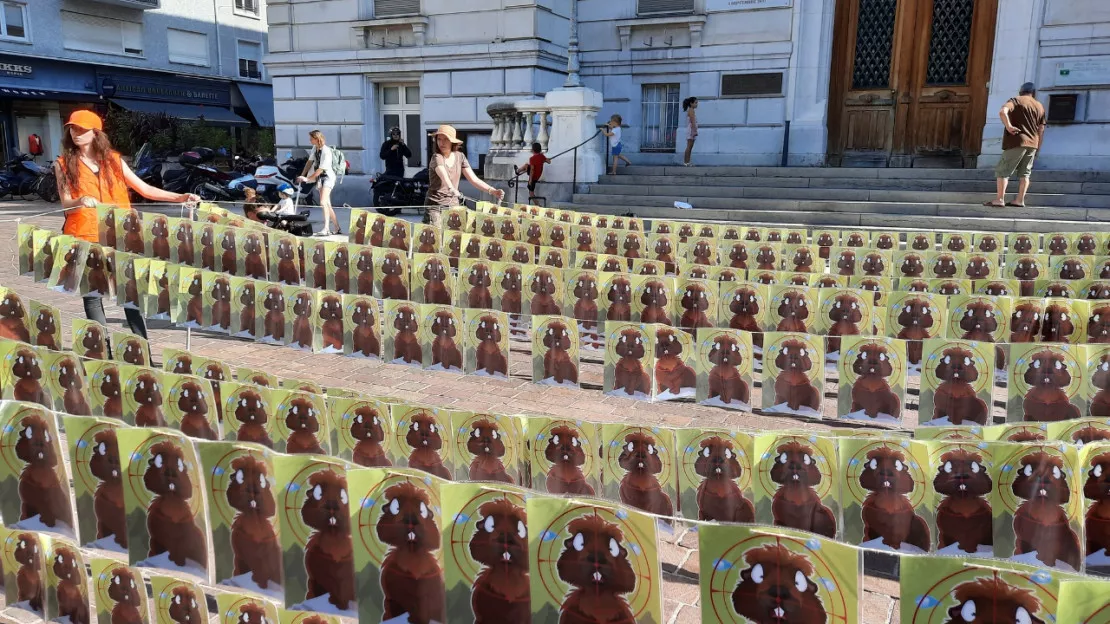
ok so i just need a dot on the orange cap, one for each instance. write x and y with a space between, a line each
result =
86 119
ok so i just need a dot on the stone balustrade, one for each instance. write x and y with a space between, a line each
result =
516 125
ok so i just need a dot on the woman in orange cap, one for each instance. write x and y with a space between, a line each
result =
90 172
447 168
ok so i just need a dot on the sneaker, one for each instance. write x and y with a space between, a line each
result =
321 233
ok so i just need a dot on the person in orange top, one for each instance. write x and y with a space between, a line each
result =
90 172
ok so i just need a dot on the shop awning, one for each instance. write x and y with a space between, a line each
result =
45 94
260 99
211 114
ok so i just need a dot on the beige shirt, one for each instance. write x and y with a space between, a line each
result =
439 193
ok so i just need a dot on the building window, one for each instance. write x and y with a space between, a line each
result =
660 118
88 33
656 7
250 60
187 47
400 108
395 8
13 21
247 6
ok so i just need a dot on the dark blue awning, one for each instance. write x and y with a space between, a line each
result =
32 93
260 99
211 114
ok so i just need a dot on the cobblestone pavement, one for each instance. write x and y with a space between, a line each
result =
517 395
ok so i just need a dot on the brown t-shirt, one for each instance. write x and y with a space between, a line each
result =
438 192
1027 115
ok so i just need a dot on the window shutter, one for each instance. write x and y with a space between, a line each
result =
190 48
393 8
98 34
648 7
743 85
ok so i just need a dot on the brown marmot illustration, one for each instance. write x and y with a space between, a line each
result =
444 350
425 439
500 594
412 580
399 236
124 591
365 334
887 512
331 315
495 250
221 303
366 428
479 295
13 324
69 569
93 343
95 271
738 256
170 521
802 261
247 322
406 346
1057 245
1100 403
656 303
744 308
488 354
435 286
871 392
543 290
964 514
695 301
227 258
72 380
620 298
46 327
565 453
776 587
1047 376
183 607
523 254
671 373
1057 325
915 319
595 563
873 265
990 600
40 490
70 274
557 363
319 266
639 486
194 412
979 323
254 265
846 262
254 541
719 498
912 265
796 504
428 241
702 253
287 271
585 300
303 422
846 316
1098 326
766 259
133 352
377 232
195 306
1025 323
793 311
486 445
1040 522
185 250
328 555
511 287
793 385
725 382
342 262
148 395
955 398
108 498
28 371
921 242
944 265
663 250
302 320
394 286
160 232
108 230
163 295
29 578
250 411
629 373
1097 491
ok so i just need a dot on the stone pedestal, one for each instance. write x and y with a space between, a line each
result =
574 120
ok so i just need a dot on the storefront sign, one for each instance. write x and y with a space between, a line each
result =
1090 71
15 70
165 90
745 5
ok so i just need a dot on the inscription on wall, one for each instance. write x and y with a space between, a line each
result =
745 5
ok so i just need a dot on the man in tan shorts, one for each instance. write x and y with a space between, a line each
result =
1024 120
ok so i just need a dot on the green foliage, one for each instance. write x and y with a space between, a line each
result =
130 130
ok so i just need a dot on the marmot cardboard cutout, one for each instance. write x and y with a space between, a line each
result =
421 439
675 354
485 342
301 385
396 520
799 258
842 312
1071 267
555 257
25 243
629 360
885 495
1080 432
956 382
64 378
542 290
697 303
177 600
1037 504
1083 601
245 609
567 537
797 483
327 318
284 261
362 330
34 483
715 475
252 259
872 374
97 474
97 276
915 317
257 377
1094 480
401 330
878 286
67 585
960 486
190 406
485 539
1046 382
119 592
43 244
16 320
997 287
247 310
391 274
313 511
249 414
615 296
130 348
793 374
1096 381
1016 432
791 308
555 346
431 279
24 374
948 589
163 494
723 364
301 306
564 456
186 301
156 302
488 447
216 301
983 318
638 468
654 299
361 430
24 563
743 306
142 396
104 390
70 257
300 422
972 433
440 336
239 482
756 574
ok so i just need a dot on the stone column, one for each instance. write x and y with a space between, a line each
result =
1015 61
574 119
808 108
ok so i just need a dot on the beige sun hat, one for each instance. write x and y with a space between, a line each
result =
447 131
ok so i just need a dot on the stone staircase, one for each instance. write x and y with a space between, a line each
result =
938 199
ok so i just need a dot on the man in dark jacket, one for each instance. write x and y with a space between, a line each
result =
394 152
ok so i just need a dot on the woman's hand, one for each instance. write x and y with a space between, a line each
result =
498 193
88 202
187 198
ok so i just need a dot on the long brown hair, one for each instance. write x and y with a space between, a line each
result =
101 150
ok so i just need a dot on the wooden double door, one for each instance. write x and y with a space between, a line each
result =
909 82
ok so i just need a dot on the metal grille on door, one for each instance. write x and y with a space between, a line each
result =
660 118
874 41
950 42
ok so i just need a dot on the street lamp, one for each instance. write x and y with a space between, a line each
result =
573 79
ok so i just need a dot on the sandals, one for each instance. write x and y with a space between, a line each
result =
1014 204
993 204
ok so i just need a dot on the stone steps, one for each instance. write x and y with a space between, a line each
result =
861 173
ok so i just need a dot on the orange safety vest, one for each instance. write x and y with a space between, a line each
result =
82 222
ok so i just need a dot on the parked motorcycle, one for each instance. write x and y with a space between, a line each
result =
199 177
148 168
390 193
270 176
20 176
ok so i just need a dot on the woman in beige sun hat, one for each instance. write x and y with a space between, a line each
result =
447 167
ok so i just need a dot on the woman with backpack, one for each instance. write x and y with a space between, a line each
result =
322 167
